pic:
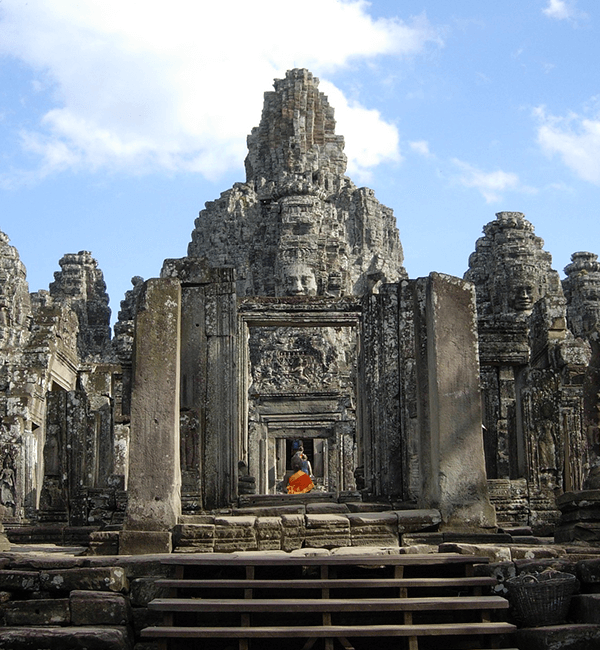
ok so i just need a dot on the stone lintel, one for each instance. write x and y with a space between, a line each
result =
196 271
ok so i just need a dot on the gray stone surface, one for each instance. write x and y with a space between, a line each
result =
99 608
585 608
559 637
532 369
154 495
456 488
37 612
81 638
92 578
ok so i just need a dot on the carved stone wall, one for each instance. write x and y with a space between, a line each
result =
582 290
58 463
532 372
80 284
298 226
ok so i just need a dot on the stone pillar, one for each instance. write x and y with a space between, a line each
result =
451 444
383 449
154 487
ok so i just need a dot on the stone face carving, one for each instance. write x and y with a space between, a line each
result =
530 367
298 226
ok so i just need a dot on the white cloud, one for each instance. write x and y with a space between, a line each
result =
490 184
179 86
421 147
563 10
369 140
576 139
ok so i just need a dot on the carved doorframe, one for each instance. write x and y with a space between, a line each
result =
283 312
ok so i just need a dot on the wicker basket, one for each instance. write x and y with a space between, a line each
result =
541 598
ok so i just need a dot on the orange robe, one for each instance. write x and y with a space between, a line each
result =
299 483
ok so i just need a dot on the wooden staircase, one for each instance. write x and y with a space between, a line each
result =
359 602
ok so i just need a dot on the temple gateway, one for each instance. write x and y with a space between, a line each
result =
291 327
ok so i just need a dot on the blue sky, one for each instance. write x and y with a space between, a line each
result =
117 124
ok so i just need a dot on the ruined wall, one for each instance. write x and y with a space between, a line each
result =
57 404
582 290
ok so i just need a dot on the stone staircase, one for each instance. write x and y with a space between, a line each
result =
417 602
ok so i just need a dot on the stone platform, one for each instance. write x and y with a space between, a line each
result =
302 525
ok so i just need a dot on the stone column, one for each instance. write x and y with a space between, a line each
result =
452 448
154 487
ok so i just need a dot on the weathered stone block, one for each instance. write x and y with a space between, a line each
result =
541 564
19 580
559 637
189 532
494 553
105 542
194 537
57 638
585 608
37 612
502 571
582 531
533 552
293 532
269 532
373 529
413 520
326 508
235 534
327 531
143 590
144 542
99 608
154 497
93 578
588 571
326 522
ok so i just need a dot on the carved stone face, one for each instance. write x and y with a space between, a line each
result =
298 280
523 297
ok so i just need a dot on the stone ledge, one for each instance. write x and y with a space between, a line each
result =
565 637
59 638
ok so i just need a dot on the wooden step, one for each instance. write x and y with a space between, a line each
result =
235 559
328 631
328 604
326 583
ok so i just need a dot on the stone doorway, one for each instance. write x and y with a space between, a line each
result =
301 386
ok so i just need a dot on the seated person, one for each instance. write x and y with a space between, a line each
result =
300 482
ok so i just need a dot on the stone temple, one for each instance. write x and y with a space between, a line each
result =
468 404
